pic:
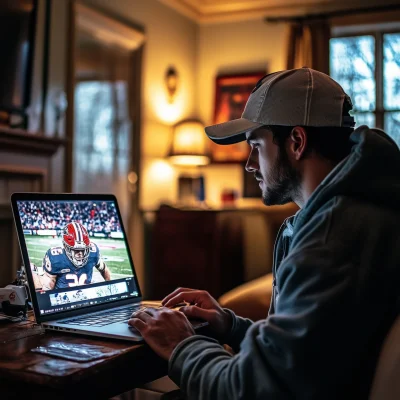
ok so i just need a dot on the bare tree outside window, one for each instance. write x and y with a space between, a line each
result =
368 68
391 72
353 66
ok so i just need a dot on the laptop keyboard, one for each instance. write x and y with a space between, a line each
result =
104 318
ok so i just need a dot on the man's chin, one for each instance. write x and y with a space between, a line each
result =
275 199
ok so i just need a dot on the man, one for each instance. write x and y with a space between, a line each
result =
336 271
71 265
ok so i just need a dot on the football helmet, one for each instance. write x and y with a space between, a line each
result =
76 244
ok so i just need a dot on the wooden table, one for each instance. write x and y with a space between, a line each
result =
28 375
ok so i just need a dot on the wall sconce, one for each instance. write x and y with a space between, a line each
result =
189 146
171 82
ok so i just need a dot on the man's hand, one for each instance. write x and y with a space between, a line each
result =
201 305
162 329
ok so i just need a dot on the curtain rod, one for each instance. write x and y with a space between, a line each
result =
332 14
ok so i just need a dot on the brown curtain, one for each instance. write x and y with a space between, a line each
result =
308 45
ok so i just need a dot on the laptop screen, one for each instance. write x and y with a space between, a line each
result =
77 253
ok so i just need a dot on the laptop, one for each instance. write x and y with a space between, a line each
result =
78 264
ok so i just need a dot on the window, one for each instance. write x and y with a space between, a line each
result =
368 67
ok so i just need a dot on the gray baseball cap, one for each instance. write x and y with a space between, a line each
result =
296 97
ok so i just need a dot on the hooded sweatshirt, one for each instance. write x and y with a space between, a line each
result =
335 295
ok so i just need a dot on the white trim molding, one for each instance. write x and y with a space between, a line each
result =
217 11
107 29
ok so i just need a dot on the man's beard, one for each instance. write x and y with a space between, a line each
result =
283 182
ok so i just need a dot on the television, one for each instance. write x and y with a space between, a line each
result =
17 34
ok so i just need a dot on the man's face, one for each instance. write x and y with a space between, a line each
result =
78 254
278 179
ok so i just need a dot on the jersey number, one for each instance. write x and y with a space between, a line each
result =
75 280
55 251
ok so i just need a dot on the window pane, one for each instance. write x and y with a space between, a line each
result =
392 125
101 141
364 119
391 70
352 64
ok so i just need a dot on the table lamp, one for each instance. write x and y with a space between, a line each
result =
188 145
189 149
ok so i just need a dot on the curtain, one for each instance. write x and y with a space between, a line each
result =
308 45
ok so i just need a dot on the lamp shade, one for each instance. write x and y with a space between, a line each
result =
189 146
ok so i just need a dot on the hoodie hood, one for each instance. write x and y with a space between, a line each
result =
371 172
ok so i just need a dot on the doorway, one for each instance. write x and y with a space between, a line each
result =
104 105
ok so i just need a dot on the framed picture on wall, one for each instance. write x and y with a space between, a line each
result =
231 94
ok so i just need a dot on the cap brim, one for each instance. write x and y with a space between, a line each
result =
232 131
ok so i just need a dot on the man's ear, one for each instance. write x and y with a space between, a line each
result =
298 142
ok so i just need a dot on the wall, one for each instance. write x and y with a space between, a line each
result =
233 48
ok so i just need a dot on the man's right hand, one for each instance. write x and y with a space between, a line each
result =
203 306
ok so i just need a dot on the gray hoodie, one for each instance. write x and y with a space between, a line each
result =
336 293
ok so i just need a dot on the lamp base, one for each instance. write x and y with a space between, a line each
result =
191 190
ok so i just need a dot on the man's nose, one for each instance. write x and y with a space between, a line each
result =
251 164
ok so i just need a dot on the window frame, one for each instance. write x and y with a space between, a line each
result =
378 32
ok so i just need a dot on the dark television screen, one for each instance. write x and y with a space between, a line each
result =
17 26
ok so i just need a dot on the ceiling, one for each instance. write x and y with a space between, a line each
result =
216 11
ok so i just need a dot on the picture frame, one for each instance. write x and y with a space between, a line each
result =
231 94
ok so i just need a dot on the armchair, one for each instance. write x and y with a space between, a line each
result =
252 299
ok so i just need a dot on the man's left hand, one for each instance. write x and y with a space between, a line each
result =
162 328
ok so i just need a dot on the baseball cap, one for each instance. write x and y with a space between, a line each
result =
295 97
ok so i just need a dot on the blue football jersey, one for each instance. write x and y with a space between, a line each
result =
57 263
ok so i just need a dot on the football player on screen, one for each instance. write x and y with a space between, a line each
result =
72 265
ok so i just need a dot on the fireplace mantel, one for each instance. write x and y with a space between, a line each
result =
21 141
28 163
